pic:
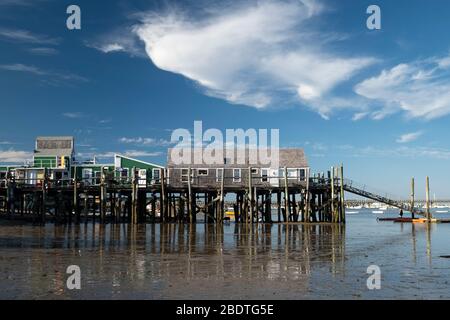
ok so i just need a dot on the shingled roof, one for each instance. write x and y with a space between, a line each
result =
290 158
54 146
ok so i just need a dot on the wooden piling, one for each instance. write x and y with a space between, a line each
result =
250 193
102 195
342 195
307 200
427 191
286 195
134 197
412 198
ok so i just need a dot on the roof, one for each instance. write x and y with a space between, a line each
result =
137 160
54 146
288 157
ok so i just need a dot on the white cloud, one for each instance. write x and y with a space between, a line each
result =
73 115
23 3
111 154
43 51
346 150
145 141
420 88
118 41
409 137
52 77
14 156
140 153
360 115
254 54
109 47
23 68
25 36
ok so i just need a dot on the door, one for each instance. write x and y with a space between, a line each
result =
273 177
87 176
32 177
142 174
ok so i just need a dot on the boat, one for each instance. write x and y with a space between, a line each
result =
229 213
378 211
351 212
424 220
355 207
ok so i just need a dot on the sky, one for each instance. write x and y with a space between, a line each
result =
377 101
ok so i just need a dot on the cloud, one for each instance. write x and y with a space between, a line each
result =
347 150
73 115
409 137
23 68
259 54
111 154
421 89
25 36
145 141
22 3
43 51
140 153
53 78
360 115
14 156
118 41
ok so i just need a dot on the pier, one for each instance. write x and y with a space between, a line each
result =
313 199
56 187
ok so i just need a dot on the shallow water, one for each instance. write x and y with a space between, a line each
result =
226 262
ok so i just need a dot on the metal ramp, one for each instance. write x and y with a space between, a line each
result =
352 187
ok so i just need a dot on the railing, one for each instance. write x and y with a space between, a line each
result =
382 197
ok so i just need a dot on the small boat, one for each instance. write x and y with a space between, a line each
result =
230 214
441 211
378 212
396 219
423 220
351 212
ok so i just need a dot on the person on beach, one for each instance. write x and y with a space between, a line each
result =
401 213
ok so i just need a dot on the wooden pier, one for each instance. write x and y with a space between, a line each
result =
317 198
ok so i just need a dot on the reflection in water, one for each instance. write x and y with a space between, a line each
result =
127 255
240 261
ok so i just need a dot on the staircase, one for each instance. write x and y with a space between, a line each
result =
352 187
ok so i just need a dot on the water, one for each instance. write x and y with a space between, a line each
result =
226 262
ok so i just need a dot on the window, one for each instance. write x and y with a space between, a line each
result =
264 175
219 175
302 174
156 175
226 160
87 176
2 179
255 170
98 176
124 173
236 175
292 173
202 172
184 175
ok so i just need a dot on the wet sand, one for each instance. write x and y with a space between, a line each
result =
225 262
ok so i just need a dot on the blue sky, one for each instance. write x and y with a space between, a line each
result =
376 100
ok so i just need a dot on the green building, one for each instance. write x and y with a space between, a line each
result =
56 156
